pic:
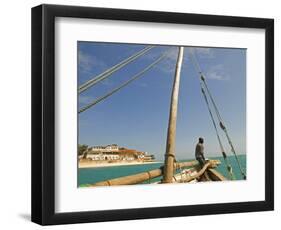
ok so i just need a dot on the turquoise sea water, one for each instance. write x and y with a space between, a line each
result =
93 175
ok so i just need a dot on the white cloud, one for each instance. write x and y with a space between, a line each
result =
202 52
107 82
84 100
214 72
168 64
217 72
205 52
141 84
87 63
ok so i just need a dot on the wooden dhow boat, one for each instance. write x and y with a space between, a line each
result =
189 172
171 171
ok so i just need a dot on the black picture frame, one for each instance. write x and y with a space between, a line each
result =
43 114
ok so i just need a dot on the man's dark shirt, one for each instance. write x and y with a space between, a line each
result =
199 151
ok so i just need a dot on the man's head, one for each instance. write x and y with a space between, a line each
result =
201 140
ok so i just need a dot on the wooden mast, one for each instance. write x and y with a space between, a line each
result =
171 135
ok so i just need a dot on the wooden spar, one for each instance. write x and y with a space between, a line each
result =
215 175
208 168
141 177
179 165
171 135
199 174
132 179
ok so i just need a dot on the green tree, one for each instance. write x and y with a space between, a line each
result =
83 150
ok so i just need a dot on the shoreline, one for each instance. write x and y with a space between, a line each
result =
102 165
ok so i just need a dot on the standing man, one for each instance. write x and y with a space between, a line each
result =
199 152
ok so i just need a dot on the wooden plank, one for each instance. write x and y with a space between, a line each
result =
215 175
141 177
132 179
179 165
199 174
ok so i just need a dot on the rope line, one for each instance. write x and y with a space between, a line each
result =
113 69
202 79
223 127
228 167
136 76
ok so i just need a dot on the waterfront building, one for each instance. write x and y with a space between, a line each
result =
114 153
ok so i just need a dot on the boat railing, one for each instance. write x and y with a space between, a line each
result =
149 175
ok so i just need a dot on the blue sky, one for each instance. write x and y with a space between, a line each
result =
137 116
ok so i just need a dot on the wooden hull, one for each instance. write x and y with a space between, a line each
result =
190 172
190 176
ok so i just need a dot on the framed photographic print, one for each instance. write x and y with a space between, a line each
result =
142 114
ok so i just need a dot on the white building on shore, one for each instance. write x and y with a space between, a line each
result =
114 153
105 149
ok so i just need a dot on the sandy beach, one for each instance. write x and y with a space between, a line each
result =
89 164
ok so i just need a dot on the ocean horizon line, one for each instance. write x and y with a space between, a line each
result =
206 156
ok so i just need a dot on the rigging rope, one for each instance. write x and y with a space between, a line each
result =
224 129
136 76
202 79
113 69
229 168
222 126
